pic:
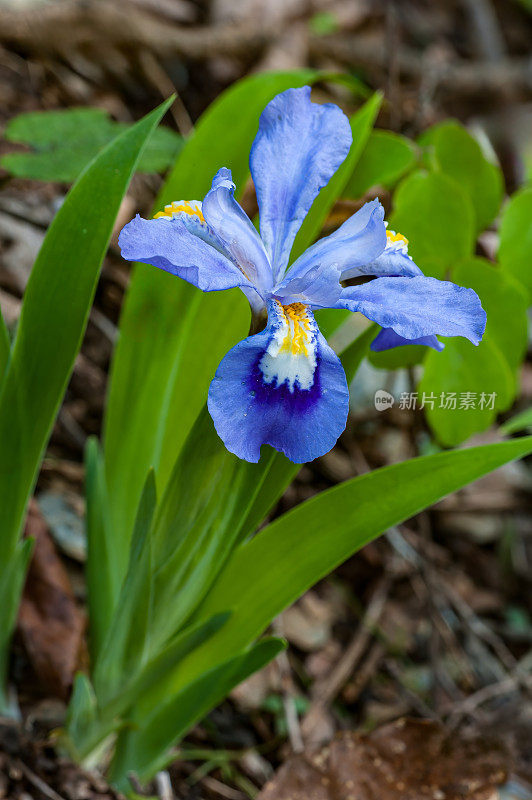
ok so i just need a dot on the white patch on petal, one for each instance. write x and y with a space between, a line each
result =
291 353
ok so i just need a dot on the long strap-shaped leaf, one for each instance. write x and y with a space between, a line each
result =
269 572
4 347
53 318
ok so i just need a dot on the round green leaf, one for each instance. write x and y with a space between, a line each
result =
515 249
459 155
505 303
479 378
385 159
476 374
436 215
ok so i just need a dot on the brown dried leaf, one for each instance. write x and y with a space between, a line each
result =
50 623
405 760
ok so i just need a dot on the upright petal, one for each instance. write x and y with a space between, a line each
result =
417 307
387 338
298 147
284 387
315 277
235 231
167 243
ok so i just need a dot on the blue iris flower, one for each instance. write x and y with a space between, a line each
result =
283 385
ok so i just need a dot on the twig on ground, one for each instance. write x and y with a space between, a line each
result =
327 689
38 782
285 670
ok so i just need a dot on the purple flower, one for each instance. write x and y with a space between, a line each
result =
284 386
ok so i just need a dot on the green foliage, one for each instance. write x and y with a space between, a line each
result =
289 555
103 579
515 249
490 368
171 718
353 355
64 142
323 23
269 572
385 158
457 154
437 218
520 422
12 574
54 314
5 347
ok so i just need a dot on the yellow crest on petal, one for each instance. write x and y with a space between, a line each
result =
396 238
190 207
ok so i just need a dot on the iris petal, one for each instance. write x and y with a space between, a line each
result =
298 147
387 338
235 231
417 307
169 245
315 276
284 387
392 262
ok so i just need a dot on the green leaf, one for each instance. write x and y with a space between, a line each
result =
145 752
92 718
505 303
125 647
408 355
64 142
103 579
172 335
12 577
82 716
519 422
266 574
487 370
323 23
5 347
166 661
54 314
353 355
436 215
459 155
515 248
361 125
385 158
481 381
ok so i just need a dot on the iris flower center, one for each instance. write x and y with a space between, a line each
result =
291 353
